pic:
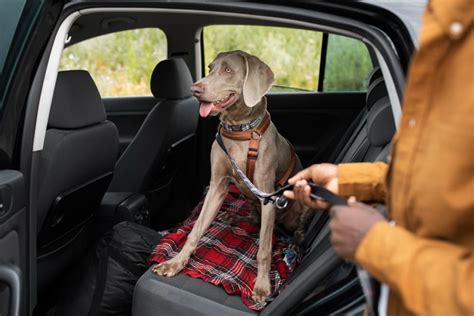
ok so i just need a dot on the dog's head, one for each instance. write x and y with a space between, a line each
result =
235 79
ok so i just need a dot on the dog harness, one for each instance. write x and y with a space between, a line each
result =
252 133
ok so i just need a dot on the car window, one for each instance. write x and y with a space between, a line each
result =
348 64
121 63
293 54
9 17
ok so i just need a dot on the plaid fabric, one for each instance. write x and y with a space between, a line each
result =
226 255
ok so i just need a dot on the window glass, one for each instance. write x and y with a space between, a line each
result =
121 63
294 55
348 64
9 16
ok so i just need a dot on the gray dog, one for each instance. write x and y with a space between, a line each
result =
235 88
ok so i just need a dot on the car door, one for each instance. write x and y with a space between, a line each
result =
20 49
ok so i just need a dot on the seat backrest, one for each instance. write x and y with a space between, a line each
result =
170 127
380 130
76 163
354 144
78 157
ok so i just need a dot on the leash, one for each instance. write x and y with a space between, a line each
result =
277 198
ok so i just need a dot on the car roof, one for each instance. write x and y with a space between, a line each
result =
409 11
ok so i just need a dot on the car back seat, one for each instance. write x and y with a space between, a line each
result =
356 145
183 295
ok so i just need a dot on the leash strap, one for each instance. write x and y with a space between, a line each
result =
277 198
260 195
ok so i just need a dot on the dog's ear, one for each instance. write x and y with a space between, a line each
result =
258 80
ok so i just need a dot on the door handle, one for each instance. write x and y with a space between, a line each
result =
9 274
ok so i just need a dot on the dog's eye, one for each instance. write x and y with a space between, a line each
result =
227 69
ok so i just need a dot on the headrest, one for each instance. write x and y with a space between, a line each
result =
76 101
380 124
374 74
171 79
376 91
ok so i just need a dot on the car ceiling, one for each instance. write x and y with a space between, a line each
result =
92 25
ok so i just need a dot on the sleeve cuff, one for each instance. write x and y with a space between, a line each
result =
365 181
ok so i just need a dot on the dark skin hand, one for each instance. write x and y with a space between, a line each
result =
349 224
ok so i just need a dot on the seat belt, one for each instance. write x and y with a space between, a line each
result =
354 133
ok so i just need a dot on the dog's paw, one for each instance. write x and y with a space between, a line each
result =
170 268
261 290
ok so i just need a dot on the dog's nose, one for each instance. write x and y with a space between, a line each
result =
197 89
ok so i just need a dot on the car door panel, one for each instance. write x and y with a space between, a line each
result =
314 122
13 243
128 114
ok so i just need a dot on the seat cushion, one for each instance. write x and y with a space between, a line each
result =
183 295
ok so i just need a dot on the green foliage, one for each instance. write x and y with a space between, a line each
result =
348 65
293 54
121 63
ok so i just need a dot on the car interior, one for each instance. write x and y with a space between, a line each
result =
146 159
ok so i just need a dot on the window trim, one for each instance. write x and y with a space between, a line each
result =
322 61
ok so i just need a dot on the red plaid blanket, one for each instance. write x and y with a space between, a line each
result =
226 255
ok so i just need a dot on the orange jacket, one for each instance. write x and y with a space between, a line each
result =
427 258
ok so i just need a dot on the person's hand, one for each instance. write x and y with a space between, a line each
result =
324 174
349 225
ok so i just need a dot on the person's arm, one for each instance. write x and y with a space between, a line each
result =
365 181
432 277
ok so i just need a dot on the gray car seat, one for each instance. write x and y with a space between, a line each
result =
173 120
357 146
75 168
158 160
183 295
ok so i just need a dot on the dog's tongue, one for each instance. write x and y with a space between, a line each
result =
205 108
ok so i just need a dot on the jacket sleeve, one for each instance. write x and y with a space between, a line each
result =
431 276
365 181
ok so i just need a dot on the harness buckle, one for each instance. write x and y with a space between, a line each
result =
256 135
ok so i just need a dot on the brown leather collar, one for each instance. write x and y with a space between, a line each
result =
254 136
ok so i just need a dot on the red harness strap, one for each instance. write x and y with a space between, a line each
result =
254 136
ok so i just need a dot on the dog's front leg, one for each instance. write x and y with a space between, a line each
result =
262 288
212 203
